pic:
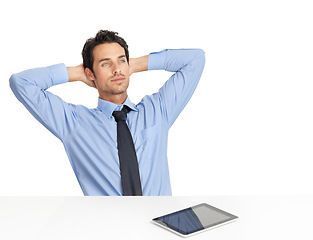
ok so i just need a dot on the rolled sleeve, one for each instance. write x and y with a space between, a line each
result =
59 73
156 60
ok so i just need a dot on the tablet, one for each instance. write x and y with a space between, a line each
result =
193 220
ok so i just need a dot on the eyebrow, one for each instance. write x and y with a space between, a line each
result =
107 59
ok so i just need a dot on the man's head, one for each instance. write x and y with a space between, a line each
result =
106 62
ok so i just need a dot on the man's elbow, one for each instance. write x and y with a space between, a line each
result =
199 58
17 83
13 81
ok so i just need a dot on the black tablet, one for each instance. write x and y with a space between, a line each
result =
193 220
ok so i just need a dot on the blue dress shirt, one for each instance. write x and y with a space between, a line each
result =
89 135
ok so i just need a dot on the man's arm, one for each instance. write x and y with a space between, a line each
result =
30 88
187 65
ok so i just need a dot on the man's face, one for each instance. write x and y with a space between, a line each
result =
111 70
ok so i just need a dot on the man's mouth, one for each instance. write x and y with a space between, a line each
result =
118 79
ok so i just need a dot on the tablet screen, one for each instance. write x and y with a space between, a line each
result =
194 219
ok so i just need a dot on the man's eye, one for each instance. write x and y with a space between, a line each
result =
105 64
122 61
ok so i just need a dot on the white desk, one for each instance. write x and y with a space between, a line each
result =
57 218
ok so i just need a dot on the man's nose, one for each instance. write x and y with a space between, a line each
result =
116 69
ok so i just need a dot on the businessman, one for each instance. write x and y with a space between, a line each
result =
118 148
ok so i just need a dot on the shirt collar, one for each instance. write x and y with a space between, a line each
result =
108 107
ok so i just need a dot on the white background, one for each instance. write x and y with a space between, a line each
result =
247 129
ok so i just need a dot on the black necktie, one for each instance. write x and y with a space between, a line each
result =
127 156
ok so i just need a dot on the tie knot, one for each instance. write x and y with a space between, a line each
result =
121 115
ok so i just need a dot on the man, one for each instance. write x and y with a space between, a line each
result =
94 139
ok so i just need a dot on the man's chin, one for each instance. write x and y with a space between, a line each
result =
119 90
118 93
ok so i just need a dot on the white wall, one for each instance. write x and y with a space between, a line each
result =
254 96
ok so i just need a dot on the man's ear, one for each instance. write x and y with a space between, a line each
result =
89 74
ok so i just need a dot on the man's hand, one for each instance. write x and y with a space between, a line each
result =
78 74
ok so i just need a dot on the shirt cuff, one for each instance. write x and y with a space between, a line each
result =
59 74
156 60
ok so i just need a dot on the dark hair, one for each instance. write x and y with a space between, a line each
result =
103 36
